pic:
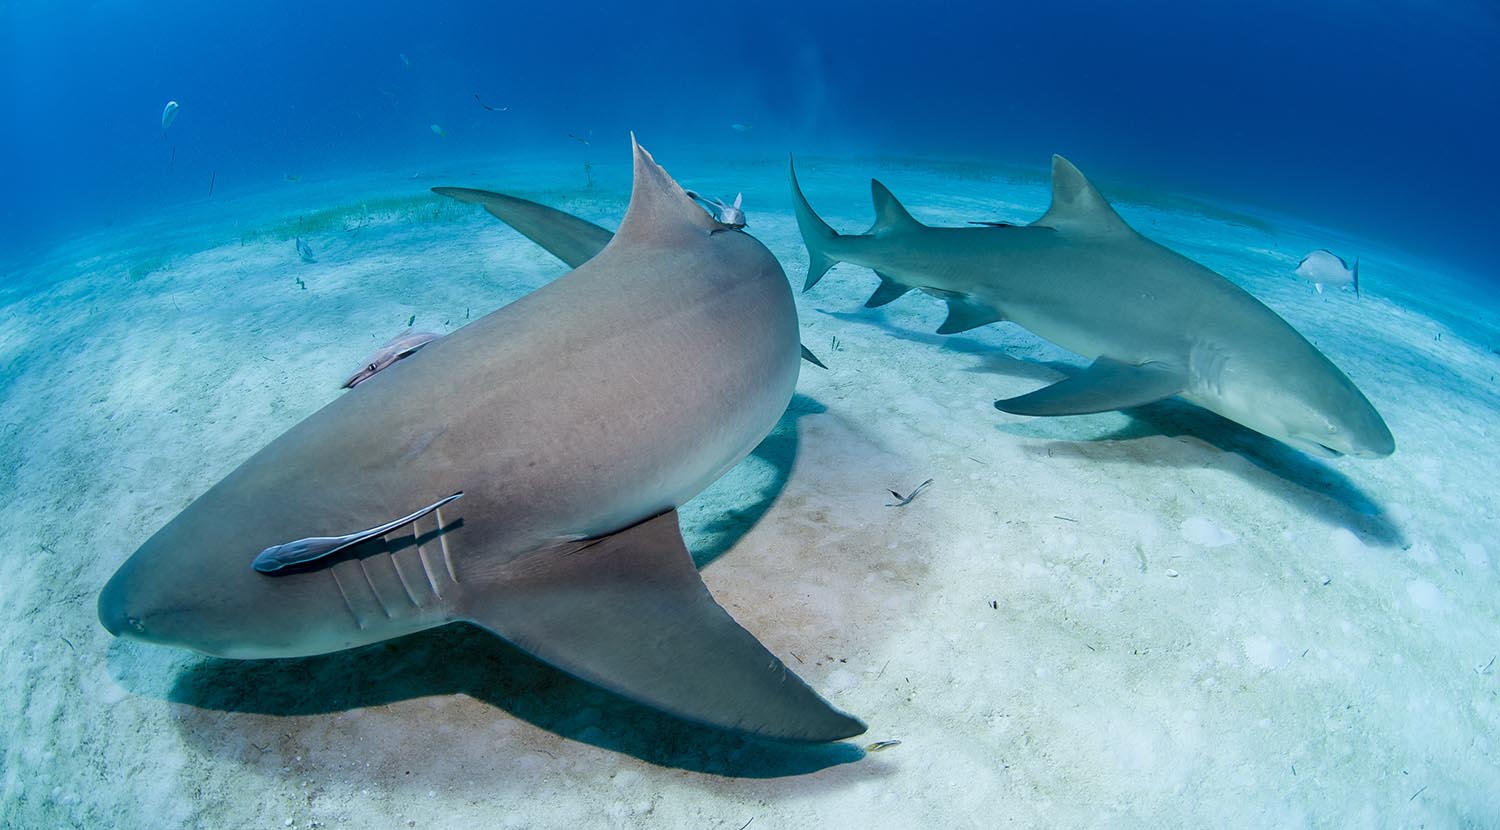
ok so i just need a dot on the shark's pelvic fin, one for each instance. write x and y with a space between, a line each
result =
890 214
1105 385
628 612
888 291
1077 206
964 312
570 239
816 234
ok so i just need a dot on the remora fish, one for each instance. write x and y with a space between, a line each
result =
1155 323
401 346
574 421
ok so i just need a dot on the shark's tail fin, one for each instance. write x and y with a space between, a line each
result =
1356 276
816 234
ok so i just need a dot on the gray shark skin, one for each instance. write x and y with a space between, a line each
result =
567 237
574 421
1155 323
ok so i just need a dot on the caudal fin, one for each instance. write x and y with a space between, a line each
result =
816 234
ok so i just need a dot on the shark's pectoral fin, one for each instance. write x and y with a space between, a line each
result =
628 612
964 312
808 356
570 239
888 291
1105 385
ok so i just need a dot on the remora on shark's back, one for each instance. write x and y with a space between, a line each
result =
1155 323
573 422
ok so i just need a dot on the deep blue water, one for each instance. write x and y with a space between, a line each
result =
1375 117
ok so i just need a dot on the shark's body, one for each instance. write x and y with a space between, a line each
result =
574 421
1155 323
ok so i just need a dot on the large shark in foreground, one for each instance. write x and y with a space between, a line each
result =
1155 323
572 422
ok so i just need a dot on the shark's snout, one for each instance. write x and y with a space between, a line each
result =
114 610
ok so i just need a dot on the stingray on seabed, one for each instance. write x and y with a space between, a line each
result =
572 423
1155 323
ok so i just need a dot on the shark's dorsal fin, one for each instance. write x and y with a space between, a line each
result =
1077 205
659 207
889 213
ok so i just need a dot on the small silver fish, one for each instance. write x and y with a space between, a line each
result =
881 746
168 115
740 128
302 551
1322 267
437 130
305 251
402 345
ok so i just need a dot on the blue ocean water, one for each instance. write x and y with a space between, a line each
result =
1375 118
1152 617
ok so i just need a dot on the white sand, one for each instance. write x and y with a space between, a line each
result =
1153 619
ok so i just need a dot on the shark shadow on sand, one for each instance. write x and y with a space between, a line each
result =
464 659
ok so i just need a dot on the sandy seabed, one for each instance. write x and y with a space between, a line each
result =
1153 618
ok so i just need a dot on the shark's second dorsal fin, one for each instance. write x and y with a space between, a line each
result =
659 207
1077 205
890 215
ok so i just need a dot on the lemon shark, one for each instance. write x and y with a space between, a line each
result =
544 449
1155 323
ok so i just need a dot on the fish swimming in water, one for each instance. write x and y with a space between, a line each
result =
1323 267
168 115
304 250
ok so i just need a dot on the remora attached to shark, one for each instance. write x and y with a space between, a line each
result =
1155 323
573 422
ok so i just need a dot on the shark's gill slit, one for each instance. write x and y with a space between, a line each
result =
443 543
385 607
396 563
348 604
